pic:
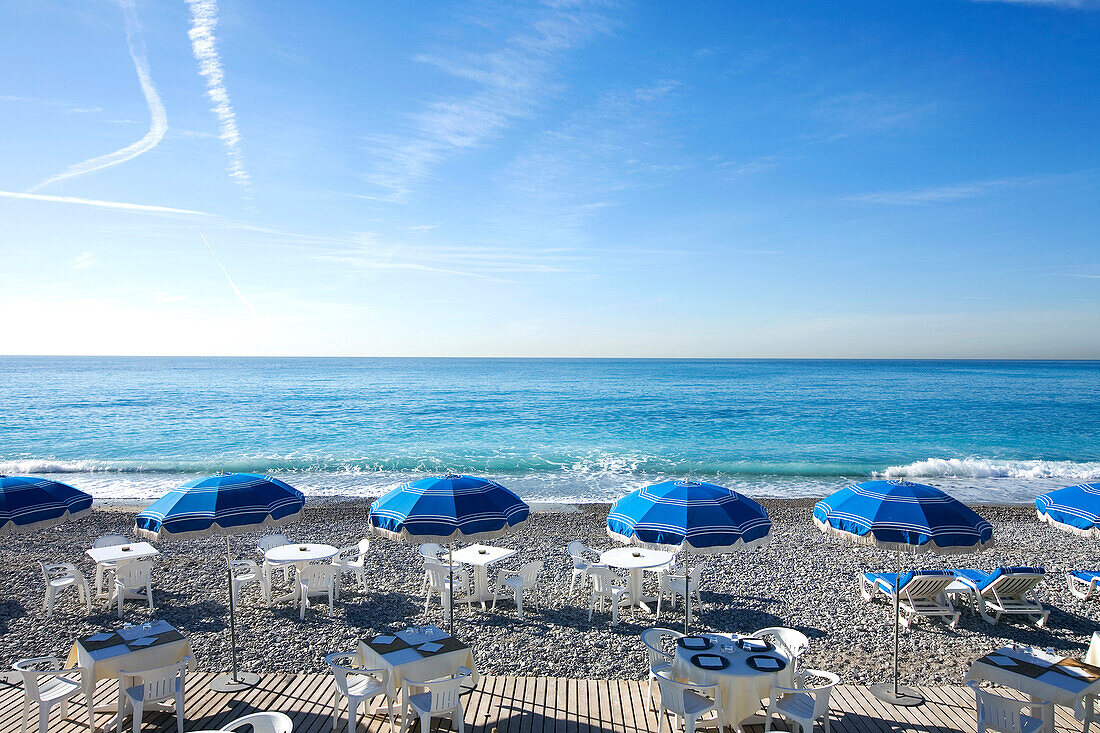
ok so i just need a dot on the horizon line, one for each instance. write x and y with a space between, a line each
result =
556 358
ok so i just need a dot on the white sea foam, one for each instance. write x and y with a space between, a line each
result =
985 468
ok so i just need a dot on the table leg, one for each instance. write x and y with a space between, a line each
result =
1045 712
481 583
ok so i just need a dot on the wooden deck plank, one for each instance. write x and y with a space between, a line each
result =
518 705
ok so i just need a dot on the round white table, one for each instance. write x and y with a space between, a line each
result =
299 555
740 685
636 559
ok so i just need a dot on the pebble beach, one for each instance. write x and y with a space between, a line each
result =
802 579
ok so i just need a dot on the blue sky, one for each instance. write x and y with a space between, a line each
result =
742 179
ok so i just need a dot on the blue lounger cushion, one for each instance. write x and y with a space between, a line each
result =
1086 575
885 581
981 580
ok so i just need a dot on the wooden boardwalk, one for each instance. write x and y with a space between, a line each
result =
509 705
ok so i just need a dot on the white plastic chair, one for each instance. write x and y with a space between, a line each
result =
261 723
142 688
517 582
438 580
440 698
433 551
659 659
315 581
133 580
352 560
1005 714
60 576
47 683
687 701
356 684
270 542
245 572
674 586
106 568
790 642
606 586
803 705
579 554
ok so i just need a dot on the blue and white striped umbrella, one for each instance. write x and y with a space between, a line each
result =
226 504
1073 509
691 515
900 515
447 509
28 503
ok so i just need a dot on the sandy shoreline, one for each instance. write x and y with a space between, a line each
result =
802 579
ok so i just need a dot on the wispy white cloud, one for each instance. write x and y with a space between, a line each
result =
1080 275
945 194
511 82
117 205
1075 4
864 113
752 167
204 19
66 107
82 261
240 295
158 119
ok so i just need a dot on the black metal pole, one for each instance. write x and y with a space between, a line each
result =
451 586
232 614
897 618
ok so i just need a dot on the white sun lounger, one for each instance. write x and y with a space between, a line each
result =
922 593
1008 591
1082 583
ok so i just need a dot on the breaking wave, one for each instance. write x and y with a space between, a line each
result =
988 468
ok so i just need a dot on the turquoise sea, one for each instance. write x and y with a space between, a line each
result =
553 429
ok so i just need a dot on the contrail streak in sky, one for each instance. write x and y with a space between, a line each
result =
231 283
158 120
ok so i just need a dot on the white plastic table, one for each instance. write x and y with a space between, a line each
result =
116 555
401 656
740 686
299 555
636 559
1042 676
481 557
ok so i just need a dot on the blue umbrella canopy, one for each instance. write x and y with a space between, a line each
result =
1073 509
447 509
900 515
28 503
226 504
692 515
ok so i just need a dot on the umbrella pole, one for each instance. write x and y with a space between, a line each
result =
894 693
234 681
687 594
451 586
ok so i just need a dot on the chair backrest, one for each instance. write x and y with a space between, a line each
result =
530 573
580 554
364 547
343 664
1012 582
110 540
654 642
926 583
822 689
430 550
603 580
160 683
437 574
261 723
271 541
56 571
134 574
996 712
317 577
33 668
792 641
443 693
673 692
